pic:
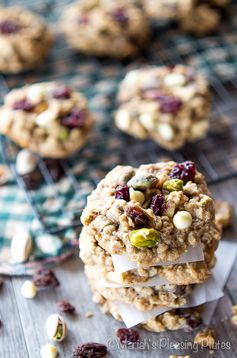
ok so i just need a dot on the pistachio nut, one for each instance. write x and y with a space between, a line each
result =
173 185
48 351
142 182
63 134
136 195
144 237
21 246
56 327
28 289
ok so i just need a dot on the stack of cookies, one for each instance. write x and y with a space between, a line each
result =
150 217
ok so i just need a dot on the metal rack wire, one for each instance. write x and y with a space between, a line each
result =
216 155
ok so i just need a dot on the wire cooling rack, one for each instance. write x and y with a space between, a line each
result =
57 203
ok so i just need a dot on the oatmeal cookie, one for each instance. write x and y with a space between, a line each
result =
175 319
170 105
199 17
143 298
24 40
180 274
153 213
224 213
49 118
105 28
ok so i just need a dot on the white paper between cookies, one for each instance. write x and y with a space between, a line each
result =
210 291
122 263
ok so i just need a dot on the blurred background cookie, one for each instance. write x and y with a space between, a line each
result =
49 118
105 28
24 40
168 104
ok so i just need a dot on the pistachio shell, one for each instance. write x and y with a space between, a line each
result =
142 182
49 244
21 246
26 162
144 237
56 327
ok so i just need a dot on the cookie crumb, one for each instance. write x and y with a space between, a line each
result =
206 338
234 315
89 314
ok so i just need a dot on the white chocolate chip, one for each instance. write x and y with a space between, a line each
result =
185 93
148 120
35 93
21 246
166 131
46 118
48 351
26 162
123 119
174 80
182 220
136 195
49 244
28 289
132 78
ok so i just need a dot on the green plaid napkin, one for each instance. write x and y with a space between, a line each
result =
98 79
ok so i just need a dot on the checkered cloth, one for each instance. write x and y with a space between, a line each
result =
98 79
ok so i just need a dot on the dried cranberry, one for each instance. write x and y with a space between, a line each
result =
44 278
122 192
192 321
138 216
126 335
90 350
32 180
65 306
23 105
8 27
185 171
75 119
83 19
55 169
157 204
168 104
62 93
121 17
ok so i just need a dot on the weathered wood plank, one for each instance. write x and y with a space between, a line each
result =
12 339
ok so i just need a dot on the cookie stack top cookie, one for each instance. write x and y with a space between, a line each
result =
150 217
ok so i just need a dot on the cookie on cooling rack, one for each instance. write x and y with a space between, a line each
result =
195 16
171 105
49 118
24 40
153 213
105 28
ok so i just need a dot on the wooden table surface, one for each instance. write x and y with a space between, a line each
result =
23 332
